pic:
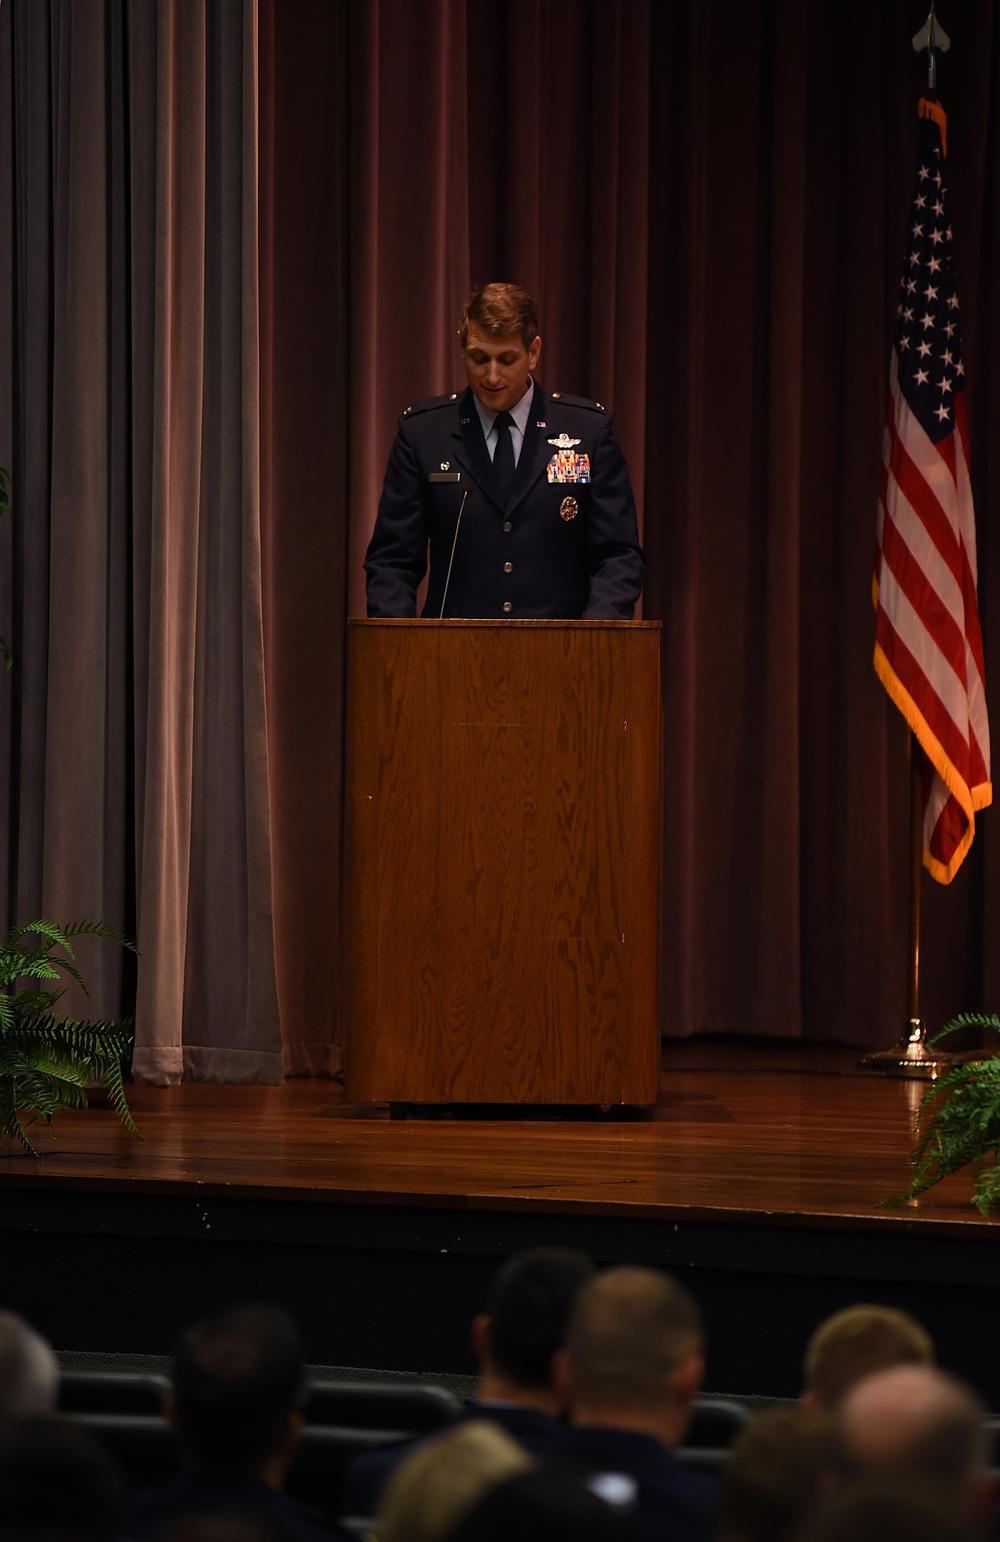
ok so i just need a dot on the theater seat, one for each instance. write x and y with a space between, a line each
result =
111 1392
715 1423
415 1408
143 1445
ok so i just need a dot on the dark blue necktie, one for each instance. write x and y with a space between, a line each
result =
503 455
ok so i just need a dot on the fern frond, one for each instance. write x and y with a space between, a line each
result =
46 1061
99 929
986 1193
28 1003
39 928
115 1087
968 1020
10 1119
959 1123
29 966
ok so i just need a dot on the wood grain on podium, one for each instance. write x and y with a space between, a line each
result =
503 862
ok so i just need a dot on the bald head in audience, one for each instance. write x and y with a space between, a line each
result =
634 1354
853 1344
915 1420
29 1372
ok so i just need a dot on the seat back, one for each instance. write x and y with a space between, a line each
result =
144 1445
414 1408
715 1423
111 1392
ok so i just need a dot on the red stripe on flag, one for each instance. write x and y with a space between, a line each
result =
920 496
924 598
911 675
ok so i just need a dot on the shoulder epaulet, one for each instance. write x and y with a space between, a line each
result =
430 404
577 401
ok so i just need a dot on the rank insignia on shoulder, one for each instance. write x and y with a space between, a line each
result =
564 442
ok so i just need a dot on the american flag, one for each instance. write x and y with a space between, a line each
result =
928 644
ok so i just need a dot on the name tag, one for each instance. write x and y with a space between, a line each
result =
445 476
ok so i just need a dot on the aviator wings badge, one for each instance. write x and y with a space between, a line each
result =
564 442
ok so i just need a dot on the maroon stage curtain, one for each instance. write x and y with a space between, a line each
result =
708 202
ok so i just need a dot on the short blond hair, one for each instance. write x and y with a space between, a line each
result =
630 1331
444 1477
858 1341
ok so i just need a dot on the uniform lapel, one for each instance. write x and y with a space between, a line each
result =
472 451
535 451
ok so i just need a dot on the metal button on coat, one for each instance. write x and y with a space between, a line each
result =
508 567
508 605
507 527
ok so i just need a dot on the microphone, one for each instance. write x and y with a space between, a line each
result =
451 559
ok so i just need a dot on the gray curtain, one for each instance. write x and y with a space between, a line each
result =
138 731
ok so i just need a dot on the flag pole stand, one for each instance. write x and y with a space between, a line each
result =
912 1055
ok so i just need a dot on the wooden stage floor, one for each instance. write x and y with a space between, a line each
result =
757 1133
758 1175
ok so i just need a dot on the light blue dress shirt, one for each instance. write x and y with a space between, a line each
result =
520 414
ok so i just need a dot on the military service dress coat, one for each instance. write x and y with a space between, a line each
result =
564 544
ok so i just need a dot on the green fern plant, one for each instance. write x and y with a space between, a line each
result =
48 1061
959 1123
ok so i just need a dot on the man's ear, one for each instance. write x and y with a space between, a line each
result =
291 1434
562 1377
688 1378
480 1338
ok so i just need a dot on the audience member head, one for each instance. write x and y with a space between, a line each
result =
237 1383
915 1421
883 1511
780 1467
853 1344
57 1484
546 1505
524 1325
633 1355
29 1372
434 1488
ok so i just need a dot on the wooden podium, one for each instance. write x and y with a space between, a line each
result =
503 867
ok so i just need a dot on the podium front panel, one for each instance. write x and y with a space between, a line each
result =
503 862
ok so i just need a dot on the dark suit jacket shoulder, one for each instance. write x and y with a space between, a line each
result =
670 1502
542 1437
152 1512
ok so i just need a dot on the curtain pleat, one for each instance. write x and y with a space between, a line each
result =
207 1000
305 410
70 799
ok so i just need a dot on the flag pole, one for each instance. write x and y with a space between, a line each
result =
911 1055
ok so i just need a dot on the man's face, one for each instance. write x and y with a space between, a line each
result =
498 367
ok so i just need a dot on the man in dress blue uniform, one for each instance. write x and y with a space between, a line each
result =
522 495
